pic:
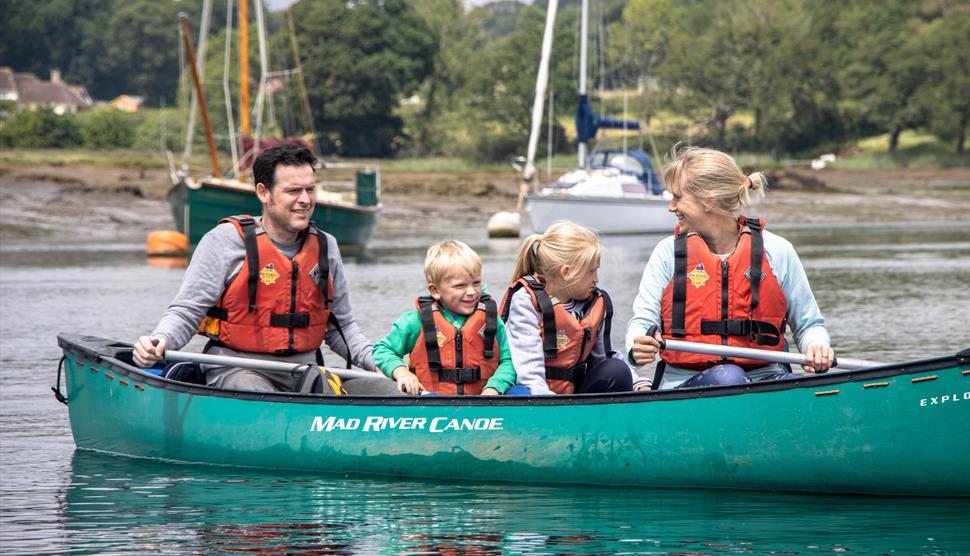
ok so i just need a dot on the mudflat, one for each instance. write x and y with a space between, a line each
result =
53 200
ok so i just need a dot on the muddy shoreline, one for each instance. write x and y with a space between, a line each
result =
52 201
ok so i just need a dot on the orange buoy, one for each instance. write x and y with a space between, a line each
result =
163 261
167 243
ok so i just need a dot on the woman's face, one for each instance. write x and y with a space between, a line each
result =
690 211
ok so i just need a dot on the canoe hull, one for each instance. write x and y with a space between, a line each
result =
881 432
198 210
606 215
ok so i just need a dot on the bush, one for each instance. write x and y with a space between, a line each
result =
107 128
42 128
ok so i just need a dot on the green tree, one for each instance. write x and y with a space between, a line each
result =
361 58
42 128
883 64
107 128
945 94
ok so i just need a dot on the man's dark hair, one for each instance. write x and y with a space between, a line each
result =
285 154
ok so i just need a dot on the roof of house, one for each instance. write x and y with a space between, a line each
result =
32 90
7 82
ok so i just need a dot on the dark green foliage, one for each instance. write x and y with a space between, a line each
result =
360 58
42 128
107 128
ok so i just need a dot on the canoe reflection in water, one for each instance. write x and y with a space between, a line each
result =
114 504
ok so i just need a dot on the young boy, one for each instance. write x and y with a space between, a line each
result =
454 340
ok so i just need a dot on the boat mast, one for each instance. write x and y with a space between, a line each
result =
542 79
304 97
200 62
263 74
184 21
233 148
244 67
584 17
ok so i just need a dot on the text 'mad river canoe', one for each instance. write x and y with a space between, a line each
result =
901 429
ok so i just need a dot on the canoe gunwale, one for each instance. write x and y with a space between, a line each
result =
105 351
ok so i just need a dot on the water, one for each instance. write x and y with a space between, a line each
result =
889 292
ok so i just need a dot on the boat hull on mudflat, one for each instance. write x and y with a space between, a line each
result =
606 215
896 429
197 210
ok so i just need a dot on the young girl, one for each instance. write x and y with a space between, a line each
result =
558 321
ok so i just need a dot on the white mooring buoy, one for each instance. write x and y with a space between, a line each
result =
504 224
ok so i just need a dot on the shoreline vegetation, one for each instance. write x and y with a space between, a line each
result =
42 190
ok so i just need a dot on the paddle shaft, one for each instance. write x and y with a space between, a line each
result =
261 364
762 354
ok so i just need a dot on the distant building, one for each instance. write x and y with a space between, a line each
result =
127 103
30 92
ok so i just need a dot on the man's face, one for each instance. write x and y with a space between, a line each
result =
289 205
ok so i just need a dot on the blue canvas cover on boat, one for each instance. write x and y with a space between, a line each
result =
588 123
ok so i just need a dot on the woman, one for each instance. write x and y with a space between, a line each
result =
722 279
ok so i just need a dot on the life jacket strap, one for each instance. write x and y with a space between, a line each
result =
290 320
549 347
426 313
464 375
491 325
324 263
757 254
220 313
679 305
572 374
763 333
248 226
607 322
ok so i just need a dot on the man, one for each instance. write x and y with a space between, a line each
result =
268 288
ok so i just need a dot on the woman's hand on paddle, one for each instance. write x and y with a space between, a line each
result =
407 381
645 348
148 351
818 359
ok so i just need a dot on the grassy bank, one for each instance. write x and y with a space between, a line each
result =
915 152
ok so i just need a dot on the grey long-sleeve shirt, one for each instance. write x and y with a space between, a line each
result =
218 259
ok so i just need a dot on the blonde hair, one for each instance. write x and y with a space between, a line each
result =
445 257
714 178
564 243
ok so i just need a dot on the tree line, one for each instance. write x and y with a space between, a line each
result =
427 77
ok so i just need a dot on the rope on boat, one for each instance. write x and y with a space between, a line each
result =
57 387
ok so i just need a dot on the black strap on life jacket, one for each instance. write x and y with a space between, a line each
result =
679 307
426 312
549 348
757 254
763 333
491 325
324 263
574 374
332 319
248 226
608 322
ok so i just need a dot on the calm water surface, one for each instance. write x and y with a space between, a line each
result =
889 292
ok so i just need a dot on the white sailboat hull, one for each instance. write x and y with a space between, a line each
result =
606 215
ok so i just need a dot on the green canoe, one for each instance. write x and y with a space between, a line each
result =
896 429
197 206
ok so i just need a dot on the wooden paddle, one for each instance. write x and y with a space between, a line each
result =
261 364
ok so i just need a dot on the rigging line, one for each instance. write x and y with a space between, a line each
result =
233 148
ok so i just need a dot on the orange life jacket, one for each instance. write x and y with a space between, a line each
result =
275 304
735 302
452 361
566 340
